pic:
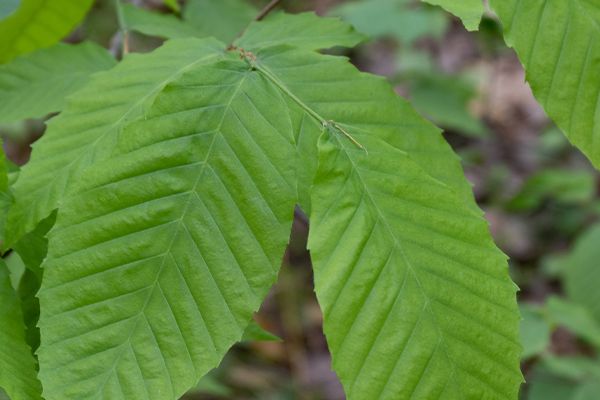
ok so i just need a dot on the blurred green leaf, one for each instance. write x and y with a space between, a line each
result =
304 30
574 368
37 24
410 61
223 19
7 7
545 386
588 391
469 11
155 24
255 333
553 142
582 274
173 5
210 385
554 265
17 365
392 18
535 331
32 249
445 99
563 186
564 378
575 318
42 80
5 195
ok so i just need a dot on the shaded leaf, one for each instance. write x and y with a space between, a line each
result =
38 83
563 186
535 331
155 24
581 273
32 249
392 18
223 19
575 318
17 365
305 30
37 24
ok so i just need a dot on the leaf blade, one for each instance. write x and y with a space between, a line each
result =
469 11
37 24
17 365
96 113
178 210
43 79
304 30
557 43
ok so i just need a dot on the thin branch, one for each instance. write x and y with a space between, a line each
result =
268 8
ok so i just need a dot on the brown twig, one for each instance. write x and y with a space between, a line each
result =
267 9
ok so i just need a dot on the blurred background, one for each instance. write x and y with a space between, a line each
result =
539 193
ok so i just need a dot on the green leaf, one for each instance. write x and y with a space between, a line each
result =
416 298
472 314
173 5
469 11
581 273
155 24
394 18
563 186
38 83
17 365
565 378
86 131
209 384
535 331
546 386
574 317
255 333
201 194
37 24
223 19
574 368
32 250
305 30
446 100
558 42
587 391
5 194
